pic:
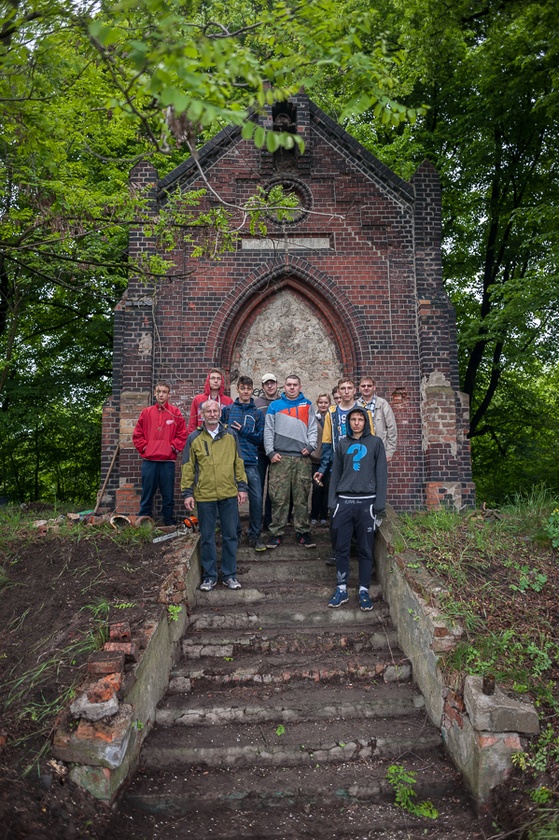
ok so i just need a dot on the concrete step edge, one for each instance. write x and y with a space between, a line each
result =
262 619
180 715
187 678
291 755
215 643
378 791
280 640
314 594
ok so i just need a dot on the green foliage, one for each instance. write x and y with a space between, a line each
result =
546 826
499 579
529 579
129 536
492 568
489 78
173 612
402 782
517 455
85 93
551 528
48 449
542 795
543 753
220 61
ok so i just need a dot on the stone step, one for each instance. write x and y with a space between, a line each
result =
344 820
290 548
283 716
261 566
265 615
278 788
280 640
293 702
298 743
314 592
338 667
330 802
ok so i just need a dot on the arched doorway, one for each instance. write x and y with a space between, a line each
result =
288 335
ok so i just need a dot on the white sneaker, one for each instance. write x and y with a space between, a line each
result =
207 585
314 521
232 583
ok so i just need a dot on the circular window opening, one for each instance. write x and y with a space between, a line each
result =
288 201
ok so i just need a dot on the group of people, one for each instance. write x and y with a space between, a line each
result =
230 447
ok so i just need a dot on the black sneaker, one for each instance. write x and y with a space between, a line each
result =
306 541
256 543
330 561
273 542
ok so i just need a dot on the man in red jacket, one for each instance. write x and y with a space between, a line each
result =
160 434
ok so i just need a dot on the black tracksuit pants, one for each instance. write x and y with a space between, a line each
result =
354 515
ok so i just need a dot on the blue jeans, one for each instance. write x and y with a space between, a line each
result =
354 516
158 474
254 501
228 512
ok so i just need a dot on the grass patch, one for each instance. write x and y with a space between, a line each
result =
501 573
17 527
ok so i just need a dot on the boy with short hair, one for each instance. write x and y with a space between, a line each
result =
213 390
383 416
290 435
335 426
357 499
159 435
247 422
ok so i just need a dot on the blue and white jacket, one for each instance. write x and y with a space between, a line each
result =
290 427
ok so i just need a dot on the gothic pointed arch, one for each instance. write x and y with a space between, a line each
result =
332 308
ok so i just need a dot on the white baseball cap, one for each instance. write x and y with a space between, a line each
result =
267 376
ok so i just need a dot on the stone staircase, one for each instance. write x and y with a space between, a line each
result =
283 716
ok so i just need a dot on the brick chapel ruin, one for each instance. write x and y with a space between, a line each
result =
352 285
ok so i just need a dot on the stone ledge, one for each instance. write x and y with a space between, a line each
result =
498 712
103 751
481 732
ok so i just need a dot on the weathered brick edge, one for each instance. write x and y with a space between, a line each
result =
481 732
103 754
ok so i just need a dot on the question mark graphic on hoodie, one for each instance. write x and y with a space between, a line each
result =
360 452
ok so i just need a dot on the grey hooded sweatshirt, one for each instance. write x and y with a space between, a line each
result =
359 468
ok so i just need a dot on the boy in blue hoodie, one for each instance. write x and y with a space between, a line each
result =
247 422
357 499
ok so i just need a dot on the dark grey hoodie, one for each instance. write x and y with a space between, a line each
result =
359 467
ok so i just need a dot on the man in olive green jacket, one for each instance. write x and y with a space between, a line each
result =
213 477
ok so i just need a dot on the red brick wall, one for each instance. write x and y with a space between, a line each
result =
378 288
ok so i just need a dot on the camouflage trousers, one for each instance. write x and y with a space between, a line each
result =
290 478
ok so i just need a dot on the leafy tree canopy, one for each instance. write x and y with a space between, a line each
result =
87 90
488 72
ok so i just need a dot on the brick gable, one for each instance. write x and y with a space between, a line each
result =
363 258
